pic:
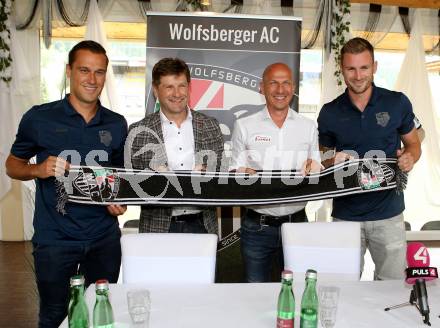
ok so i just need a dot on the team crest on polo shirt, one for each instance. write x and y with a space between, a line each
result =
106 137
371 174
99 184
382 118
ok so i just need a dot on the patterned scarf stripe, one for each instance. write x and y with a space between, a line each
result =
106 185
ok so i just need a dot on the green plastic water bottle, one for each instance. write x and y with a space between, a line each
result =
309 302
286 302
102 312
77 313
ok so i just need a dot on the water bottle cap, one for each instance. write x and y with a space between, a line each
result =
287 274
101 284
77 280
311 274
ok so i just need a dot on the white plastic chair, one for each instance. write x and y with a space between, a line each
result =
160 258
333 249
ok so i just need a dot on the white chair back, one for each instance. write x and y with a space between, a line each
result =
160 258
333 249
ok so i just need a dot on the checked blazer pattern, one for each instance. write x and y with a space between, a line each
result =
148 152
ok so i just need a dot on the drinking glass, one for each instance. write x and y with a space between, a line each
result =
328 304
139 303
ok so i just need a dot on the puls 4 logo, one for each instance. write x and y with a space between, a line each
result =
421 255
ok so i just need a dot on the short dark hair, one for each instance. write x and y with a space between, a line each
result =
356 46
89 45
170 66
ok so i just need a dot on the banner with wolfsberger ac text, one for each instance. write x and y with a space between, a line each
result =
226 55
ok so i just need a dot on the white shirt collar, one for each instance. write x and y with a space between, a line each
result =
165 120
291 114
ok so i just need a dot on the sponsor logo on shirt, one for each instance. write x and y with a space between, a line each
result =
262 139
61 130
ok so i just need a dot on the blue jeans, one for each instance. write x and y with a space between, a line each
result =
55 264
260 245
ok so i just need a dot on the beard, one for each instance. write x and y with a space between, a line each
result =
359 88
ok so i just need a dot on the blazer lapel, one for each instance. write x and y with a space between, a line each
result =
198 131
156 126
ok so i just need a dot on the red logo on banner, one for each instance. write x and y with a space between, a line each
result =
206 94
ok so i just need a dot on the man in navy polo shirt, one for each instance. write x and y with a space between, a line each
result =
371 121
86 238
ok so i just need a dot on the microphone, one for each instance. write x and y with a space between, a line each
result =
418 260
417 273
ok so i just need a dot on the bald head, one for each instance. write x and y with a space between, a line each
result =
277 87
269 70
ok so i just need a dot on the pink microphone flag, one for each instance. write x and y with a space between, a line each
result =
417 258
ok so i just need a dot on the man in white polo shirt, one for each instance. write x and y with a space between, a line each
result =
275 138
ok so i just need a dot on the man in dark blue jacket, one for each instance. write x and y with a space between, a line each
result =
86 238
371 122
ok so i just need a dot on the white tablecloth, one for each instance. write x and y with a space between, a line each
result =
361 304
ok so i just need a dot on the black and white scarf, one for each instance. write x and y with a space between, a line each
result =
106 185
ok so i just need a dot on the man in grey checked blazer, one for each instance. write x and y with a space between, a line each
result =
174 138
